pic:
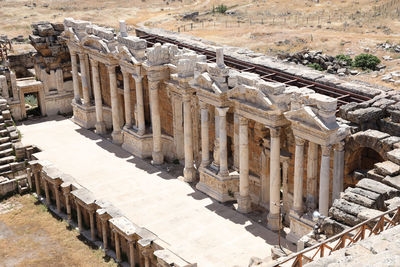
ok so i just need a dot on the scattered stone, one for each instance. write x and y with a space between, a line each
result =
387 168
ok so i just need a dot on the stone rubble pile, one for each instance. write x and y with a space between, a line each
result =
392 77
389 46
326 62
13 174
51 53
377 191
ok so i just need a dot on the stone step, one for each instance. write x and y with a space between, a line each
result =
4 146
6 114
343 217
358 211
7 160
4 133
6 152
359 199
376 198
4 139
392 181
387 168
5 168
14 135
386 191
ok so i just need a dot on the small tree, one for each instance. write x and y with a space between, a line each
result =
366 61
315 66
221 8
347 59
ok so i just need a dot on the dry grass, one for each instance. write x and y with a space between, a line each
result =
31 236
325 29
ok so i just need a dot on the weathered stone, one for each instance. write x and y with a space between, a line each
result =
392 203
358 199
377 187
387 168
365 115
343 216
372 174
394 155
392 181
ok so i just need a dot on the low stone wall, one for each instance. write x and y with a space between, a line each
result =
98 220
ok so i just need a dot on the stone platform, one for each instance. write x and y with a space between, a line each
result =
197 228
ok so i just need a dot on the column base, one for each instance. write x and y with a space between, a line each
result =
158 157
100 127
189 174
273 222
223 173
244 204
117 137
77 101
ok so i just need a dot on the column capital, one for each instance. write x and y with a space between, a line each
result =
125 72
111 68
186 97
275 132
81 54
326 150
243 121
203 105
153 84
339 146
299 141
93 62
146 251
72 52
137 78
222 111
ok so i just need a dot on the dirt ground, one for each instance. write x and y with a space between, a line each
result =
31 236
335 26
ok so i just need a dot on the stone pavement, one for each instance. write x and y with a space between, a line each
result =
197 228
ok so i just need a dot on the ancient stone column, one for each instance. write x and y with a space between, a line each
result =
116 133
117 246
312 176
127 100
223 151
131 253
298 176
47 192
178 126
104 234
189 172
58 200
4 86
285 189
205 154
244 201
68 206
275 180
85 82
158 157
146 254
338 171
100 125
236 152
37 182
92 225
265 183
216 140
139 105
29 176
79 215
324 180
75 77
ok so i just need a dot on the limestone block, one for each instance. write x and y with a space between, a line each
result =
343 216
358 199
387 168
45 30
392 203
394 155
377 187
158 55
133 42
392 181
365 115
377 198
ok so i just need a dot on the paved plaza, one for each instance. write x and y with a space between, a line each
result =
195 226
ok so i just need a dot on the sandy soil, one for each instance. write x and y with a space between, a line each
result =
31 236
336 26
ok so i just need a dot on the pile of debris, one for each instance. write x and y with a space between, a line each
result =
389 46
319 61
51 53
392 77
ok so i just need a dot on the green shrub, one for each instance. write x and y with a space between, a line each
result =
315 66
347 59
220 9
366 61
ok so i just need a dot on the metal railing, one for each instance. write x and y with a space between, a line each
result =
344 239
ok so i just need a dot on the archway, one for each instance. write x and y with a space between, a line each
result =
360 162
